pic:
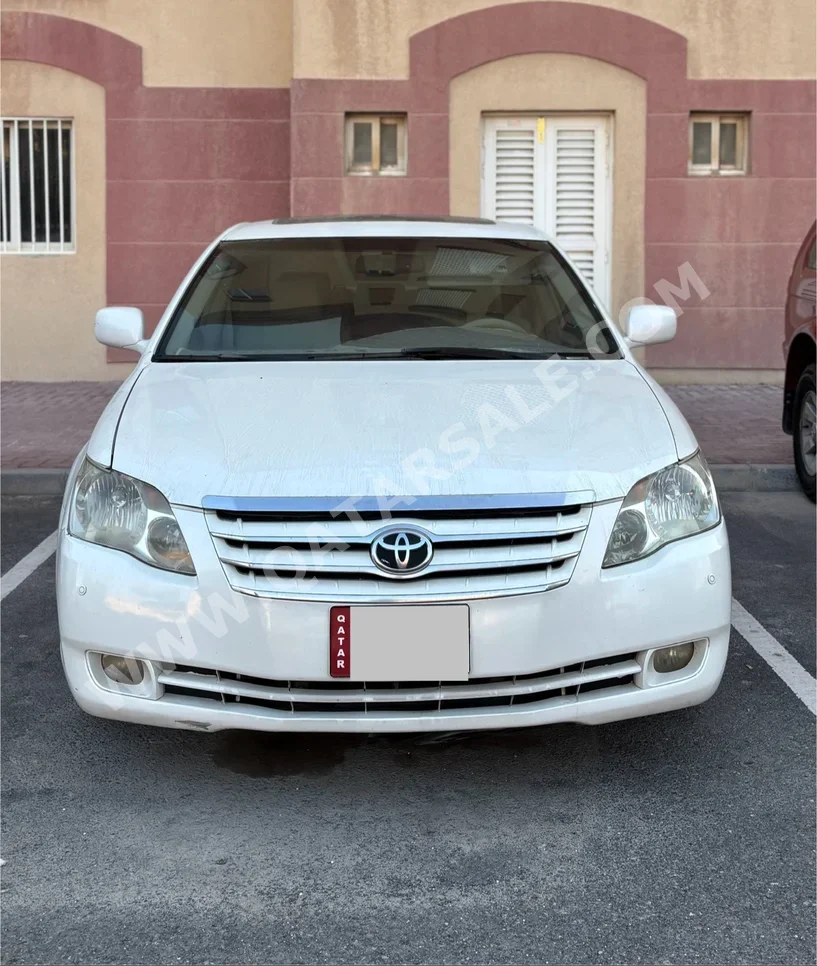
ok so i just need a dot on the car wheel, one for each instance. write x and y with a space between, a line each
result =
805 430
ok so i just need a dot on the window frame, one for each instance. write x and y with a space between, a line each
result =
741 167
11 201
374 169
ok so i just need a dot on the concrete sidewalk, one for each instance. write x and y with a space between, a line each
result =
45 424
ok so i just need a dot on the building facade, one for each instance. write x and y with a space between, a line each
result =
670 147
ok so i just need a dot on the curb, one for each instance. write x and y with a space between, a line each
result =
754 477
33 482
729 478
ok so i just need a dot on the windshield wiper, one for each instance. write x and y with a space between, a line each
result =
206 357
427 352
469 352
275 356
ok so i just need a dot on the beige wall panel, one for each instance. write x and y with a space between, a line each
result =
193 43
727 38
48 302
545 83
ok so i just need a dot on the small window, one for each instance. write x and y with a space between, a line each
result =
36 189
375 143
718 143
811 260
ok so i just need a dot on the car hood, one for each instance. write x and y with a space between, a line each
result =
347 429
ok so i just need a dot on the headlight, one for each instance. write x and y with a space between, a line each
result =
120 512
676 502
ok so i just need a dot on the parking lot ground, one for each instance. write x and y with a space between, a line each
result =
682 838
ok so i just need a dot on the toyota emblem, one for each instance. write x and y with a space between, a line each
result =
401 552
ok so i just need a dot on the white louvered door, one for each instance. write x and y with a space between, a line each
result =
554 172
513 157
576 199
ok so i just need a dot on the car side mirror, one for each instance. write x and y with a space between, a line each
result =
121 328
650 325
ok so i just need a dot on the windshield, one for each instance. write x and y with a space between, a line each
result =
340 298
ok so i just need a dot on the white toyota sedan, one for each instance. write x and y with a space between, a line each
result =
389 475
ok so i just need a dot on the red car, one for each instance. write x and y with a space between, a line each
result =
799 400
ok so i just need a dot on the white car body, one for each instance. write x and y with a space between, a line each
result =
222 440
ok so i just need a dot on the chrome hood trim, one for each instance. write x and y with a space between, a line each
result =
415 504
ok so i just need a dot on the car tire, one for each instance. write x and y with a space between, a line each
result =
803 425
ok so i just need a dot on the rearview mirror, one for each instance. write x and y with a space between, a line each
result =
121 328
650 324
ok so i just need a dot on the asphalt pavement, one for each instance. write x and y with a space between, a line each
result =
683 838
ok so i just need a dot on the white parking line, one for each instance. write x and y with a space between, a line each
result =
24 568
786 667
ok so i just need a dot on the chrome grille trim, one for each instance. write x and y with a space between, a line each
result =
333 697
288 534
354 561
491 552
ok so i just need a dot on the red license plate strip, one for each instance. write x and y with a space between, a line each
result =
340 642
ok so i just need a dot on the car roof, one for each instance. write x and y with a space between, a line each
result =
381 226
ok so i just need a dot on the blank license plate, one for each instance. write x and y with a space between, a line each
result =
400 643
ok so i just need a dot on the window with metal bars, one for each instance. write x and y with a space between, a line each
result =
37 186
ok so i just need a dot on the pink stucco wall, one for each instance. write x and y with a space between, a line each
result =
184 163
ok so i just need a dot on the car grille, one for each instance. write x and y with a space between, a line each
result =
422 697
478 552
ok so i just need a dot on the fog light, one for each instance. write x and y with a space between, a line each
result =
669 659
123 670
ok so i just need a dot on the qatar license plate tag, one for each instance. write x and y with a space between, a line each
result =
424 642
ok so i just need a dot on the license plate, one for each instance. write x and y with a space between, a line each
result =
400 643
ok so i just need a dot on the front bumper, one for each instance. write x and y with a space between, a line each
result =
111 603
